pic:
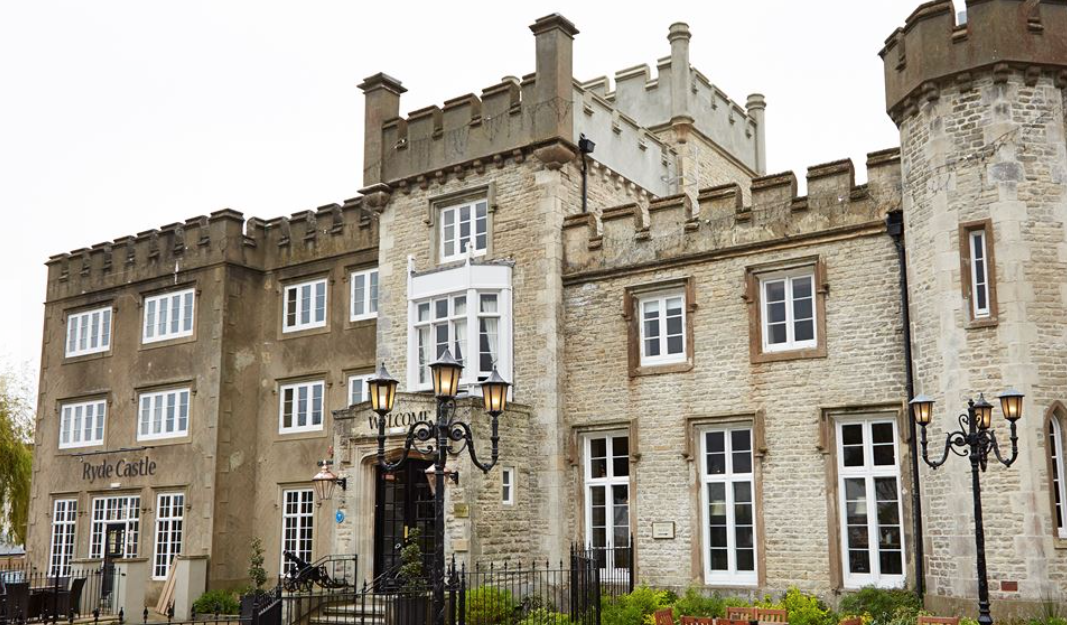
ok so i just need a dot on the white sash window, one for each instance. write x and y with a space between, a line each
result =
88 332
729 509
168 316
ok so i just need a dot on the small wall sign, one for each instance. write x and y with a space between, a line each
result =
663 530
340 516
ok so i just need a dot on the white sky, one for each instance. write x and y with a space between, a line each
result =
118 117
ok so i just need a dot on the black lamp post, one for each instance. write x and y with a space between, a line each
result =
443 437
974 440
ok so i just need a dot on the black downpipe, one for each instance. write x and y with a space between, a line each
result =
894 223
585 146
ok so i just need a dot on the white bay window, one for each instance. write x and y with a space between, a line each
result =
466 310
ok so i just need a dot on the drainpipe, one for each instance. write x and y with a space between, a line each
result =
585 146
894 223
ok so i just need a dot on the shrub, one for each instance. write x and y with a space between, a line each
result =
487 605
635 608
217 602
694 603
883 605
256 572
806 609
544 616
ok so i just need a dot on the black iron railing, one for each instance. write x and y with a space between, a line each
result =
616 564
32 595
542 593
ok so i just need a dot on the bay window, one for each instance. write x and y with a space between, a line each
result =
466 310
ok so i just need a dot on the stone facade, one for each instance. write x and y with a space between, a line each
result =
674 202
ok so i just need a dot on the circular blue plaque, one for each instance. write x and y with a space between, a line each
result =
340 516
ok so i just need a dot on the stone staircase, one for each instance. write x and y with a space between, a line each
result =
369 612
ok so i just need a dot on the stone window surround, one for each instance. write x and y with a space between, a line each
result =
828 447
754 298
78 313
155 387
107 302
435 203
630 302
966 228
162 391
579 432
1057 412
694 427
153 292
92 398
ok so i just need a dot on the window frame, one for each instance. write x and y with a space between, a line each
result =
65 530
163 394
169 544
312 323
371 291
731 576
1057 457
507 486
608 483
99 424
303 519
75 331
295 386
755 278
788 280
633 298
869 472
661 298
187 315
454 208
975 317
352 378
98 526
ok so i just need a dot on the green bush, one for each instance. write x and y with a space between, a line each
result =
635 608
695 603
544 616
217 602
884 606
490 606
807 609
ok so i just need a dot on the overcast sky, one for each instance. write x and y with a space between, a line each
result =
118 117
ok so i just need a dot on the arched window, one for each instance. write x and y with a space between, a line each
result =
1056 457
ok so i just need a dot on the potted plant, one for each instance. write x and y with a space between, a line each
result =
258 575
411 604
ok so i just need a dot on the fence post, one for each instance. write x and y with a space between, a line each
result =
463 594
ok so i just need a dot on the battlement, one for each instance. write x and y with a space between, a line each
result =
223 237
719 221
651 102
997 35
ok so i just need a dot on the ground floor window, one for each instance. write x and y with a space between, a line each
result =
607 499
728 510
64 517
123 512
872 537
170 528
298 524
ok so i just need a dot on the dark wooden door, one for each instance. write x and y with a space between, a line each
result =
403 502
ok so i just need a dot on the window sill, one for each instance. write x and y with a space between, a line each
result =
77 449
985 322
181 340
182 439
818 351
656 369
294 334
730 584
87 357
1059 543
300 435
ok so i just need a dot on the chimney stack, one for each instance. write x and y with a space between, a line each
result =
552 115
381 94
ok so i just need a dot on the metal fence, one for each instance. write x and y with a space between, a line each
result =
31 595
531 594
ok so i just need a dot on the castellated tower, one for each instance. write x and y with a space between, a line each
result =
980 107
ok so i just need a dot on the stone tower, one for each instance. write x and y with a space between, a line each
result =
980 108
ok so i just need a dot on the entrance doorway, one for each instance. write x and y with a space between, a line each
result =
114 549
403 502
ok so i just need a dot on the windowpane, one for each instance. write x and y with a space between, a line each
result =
88 332
305 306
302 407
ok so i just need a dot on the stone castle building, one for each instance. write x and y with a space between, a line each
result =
710 370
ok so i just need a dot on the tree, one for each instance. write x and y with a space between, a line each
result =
256 572
16 457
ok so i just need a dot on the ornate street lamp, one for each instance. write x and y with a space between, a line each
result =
325 480
975 439
445 436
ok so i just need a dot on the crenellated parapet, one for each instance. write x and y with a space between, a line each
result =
679 93
997 36
223 237
720 222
